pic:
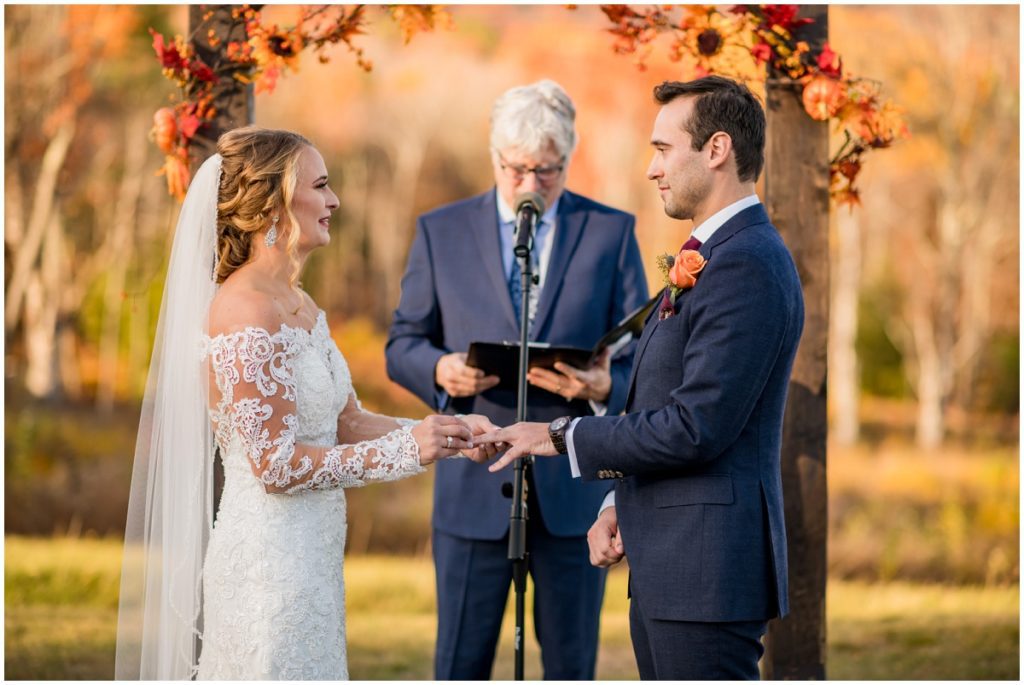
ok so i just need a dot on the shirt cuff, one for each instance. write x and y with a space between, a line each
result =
609 501
573 465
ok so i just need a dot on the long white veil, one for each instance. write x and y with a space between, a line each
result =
170 511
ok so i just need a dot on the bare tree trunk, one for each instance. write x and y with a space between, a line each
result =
392 218
929 372
123 225
844 366
796 190
42 299
38 224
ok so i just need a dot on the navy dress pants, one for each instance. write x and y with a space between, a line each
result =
474 579
686 650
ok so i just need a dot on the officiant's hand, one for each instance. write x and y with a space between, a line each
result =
605 539
521 439
571 383
460 380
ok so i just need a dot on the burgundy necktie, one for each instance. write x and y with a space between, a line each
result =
667 307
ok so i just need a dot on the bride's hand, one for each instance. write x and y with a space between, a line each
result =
479 424
441 436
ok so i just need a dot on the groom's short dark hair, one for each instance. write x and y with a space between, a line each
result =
722 104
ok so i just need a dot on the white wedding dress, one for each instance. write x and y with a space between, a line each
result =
292 436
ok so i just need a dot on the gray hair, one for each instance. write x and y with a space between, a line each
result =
529 118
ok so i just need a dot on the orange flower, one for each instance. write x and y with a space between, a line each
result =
165 129
177 176
823 97
687 265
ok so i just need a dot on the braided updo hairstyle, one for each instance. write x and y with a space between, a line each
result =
258 175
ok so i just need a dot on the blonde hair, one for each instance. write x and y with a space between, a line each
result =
259 168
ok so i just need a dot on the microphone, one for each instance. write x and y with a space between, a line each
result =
529 208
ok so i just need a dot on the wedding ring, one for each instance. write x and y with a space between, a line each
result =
449 442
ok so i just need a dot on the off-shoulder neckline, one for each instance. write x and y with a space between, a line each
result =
321 320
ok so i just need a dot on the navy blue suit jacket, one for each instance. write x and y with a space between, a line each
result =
454 292
700 506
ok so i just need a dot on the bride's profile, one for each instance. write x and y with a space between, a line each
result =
243 362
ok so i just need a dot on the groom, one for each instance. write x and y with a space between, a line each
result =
697 505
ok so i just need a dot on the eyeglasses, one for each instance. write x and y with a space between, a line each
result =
517 172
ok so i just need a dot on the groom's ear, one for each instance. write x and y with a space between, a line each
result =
719 146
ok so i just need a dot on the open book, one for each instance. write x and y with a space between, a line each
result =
502 358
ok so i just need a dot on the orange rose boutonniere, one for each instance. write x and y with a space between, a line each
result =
680 273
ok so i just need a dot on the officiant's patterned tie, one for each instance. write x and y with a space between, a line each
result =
515 286
667 307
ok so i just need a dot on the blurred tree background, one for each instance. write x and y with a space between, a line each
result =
924 346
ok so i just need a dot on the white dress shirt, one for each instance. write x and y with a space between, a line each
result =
702 233
543 239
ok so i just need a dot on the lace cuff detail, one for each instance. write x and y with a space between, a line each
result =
391 457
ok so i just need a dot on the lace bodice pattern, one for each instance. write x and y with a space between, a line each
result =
292 435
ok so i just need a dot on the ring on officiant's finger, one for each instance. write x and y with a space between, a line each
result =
448 442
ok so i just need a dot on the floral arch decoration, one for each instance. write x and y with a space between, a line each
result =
738 42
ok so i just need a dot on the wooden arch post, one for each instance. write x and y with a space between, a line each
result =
233 101
797 198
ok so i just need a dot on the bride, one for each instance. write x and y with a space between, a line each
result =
244 362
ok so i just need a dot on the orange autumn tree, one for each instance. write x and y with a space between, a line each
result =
740 42
268 52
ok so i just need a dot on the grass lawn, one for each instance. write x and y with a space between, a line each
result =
61 611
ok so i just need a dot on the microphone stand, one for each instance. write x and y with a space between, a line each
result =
518 516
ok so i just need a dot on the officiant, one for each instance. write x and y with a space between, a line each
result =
462 284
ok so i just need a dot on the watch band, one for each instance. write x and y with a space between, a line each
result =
557 430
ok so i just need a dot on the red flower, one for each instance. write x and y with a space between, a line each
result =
169 56
202 72
829 62
784 16
762 52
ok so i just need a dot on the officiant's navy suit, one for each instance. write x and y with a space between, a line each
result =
699 501
455 292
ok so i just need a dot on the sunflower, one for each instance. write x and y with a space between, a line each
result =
711 42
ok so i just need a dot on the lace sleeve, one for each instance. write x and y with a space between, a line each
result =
255 406
356 424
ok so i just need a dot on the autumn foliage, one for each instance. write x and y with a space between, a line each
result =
740 41
268 52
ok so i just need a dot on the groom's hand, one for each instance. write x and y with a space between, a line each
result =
523 439
605 539
571 383
459 380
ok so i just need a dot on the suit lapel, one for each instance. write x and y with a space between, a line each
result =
485 225
641 345
568 231
747 217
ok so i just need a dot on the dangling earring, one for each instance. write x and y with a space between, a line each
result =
271 236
